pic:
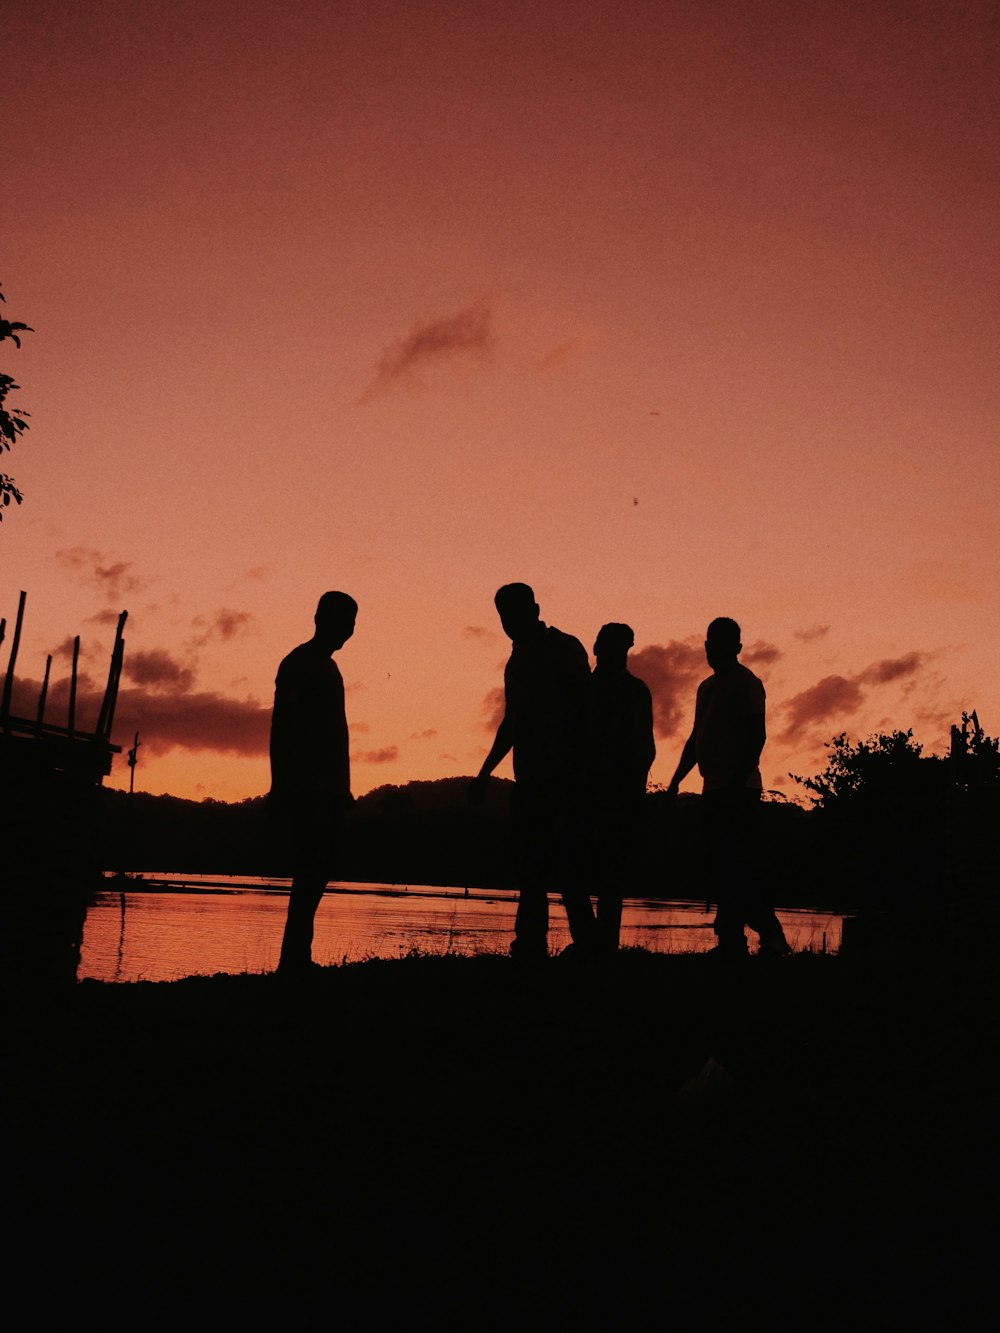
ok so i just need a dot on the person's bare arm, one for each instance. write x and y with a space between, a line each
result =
755 734
685 764
498 750
647 743
286 733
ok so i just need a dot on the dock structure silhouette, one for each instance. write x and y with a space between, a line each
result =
45 745
50 775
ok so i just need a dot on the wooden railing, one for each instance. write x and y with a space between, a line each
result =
66 745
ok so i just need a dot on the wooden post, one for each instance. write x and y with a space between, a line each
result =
43 695
72 687
133 759
113 703
8 683
114 672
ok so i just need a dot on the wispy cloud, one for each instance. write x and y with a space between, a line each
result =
156 668
423 735
951 580
469 332
935 718
672 672
558 355
111 577
813 633
494 707
384 756
224 624
832 697
892 668
479 632
761 654
65 649
105 617
836 698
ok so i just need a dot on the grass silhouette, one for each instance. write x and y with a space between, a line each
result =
450 1142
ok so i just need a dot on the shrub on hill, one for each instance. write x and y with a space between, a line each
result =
901 826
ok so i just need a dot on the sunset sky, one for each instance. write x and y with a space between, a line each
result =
671 310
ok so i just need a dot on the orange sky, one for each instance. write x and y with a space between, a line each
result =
671 311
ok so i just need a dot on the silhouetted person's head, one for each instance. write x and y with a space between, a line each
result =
335 618
722 643
611 646
517 608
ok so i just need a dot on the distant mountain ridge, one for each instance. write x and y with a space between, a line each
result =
421 832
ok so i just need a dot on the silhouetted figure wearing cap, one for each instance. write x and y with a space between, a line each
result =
726 743
621 751
546 682
310 770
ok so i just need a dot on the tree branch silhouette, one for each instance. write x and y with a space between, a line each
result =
13 421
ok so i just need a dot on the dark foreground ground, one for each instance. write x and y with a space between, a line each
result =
431 1143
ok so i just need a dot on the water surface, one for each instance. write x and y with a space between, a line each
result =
198 925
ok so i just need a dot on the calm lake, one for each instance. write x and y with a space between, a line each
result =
173 926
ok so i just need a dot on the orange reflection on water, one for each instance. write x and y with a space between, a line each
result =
201 926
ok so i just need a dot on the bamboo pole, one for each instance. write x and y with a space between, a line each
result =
119 659
43 695
111 689
133 759
72 687
8 683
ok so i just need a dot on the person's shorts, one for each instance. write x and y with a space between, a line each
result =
304 837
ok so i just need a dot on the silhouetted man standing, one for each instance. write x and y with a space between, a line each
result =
310 769
726 743
546 681
621 751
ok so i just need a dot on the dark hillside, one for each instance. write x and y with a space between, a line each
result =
911 846
425 833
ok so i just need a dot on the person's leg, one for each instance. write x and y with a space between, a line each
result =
579 916
531 922
756 908
316 835
611 866
296 944
571 875
724 841
609 920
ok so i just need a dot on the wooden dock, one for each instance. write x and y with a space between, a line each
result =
50 777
